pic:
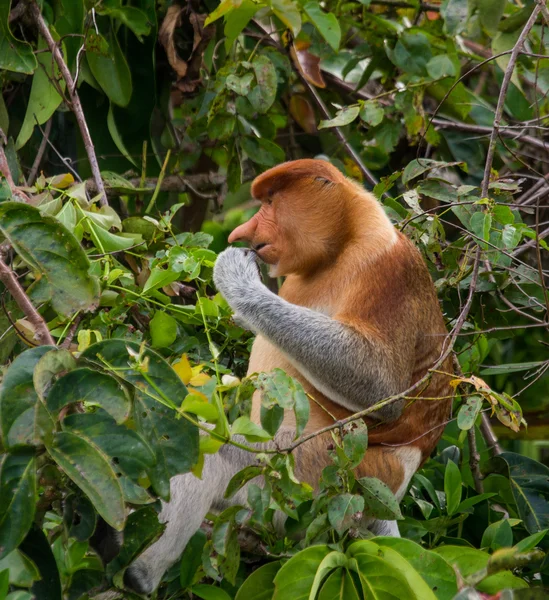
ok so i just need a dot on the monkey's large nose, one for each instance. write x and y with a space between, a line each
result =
244 232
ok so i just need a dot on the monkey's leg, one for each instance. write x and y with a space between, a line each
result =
190 499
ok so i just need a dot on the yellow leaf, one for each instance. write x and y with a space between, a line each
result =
199 379
183 369
194 392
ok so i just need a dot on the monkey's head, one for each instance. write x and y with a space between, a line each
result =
304 219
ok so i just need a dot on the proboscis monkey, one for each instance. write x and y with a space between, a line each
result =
357 320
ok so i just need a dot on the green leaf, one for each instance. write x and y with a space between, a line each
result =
454 13
54 254
295 578
372 113
117 137
17 499
343 117
411 53
104 240
209 592
92 387
163 328
452 487
44 98
340 585
341 510
21 571
288 12
221 127
262 95
262 151
480 225
379 500
191 560
15 55
468 412
225 7
37 547
334 560
132 17
355 443
512 368
497 535
239 480
529 482
279 389
91 471
174 441
530 542
111 71
438 574
386 572
441 66
470 560
197 405
128 451
22 421
142 529
236 21
490 12
418 166
260 584
249 429
326 23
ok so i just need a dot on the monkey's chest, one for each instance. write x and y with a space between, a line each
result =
264 358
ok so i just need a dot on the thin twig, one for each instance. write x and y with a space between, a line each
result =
502 95
71 332
75 103
474 460
40 154
9 279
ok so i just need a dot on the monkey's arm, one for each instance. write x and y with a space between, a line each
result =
348 366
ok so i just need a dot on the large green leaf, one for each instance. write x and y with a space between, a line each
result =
295 579
94 388
438 574
17 499
263 94
129 451
174 440
529 481
142 529
92 472
260 584
326 23
23 418
44 97
110 69
385 573
37 547
15 55
55 255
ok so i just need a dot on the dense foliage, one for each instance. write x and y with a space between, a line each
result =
129 133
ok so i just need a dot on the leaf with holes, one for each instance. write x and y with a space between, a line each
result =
59 262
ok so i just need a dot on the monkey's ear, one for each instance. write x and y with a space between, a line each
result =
289 174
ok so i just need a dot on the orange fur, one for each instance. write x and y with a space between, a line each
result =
342 256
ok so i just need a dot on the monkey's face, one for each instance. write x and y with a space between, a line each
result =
262 232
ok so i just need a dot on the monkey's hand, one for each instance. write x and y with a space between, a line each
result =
236 275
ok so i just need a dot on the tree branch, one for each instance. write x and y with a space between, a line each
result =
502 95
76 105
9 279
197 184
